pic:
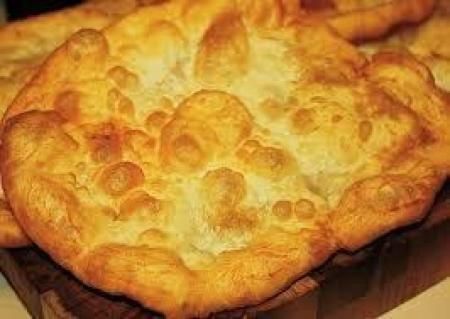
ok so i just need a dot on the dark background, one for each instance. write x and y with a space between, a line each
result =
18 9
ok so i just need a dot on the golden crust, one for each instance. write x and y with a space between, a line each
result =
414 86
361 20
242 277
269 263
378 204
427 41
32 38
23 46
147 170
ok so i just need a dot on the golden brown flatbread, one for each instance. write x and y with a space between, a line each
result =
357 20
23 46
201 156
429 42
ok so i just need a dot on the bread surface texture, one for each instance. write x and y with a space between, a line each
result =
24 45
357 20
201 156
427 41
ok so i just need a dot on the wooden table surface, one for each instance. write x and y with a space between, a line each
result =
432 303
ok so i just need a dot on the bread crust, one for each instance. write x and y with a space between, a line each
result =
24 44
162 281
362 20
194 188
377 205
427 41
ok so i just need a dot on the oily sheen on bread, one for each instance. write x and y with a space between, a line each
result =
23 46
201 156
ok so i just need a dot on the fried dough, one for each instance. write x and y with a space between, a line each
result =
201 156
429 42
23 46
368 19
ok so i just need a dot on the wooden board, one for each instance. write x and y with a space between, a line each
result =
372 281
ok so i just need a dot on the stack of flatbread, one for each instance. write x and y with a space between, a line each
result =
201 156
